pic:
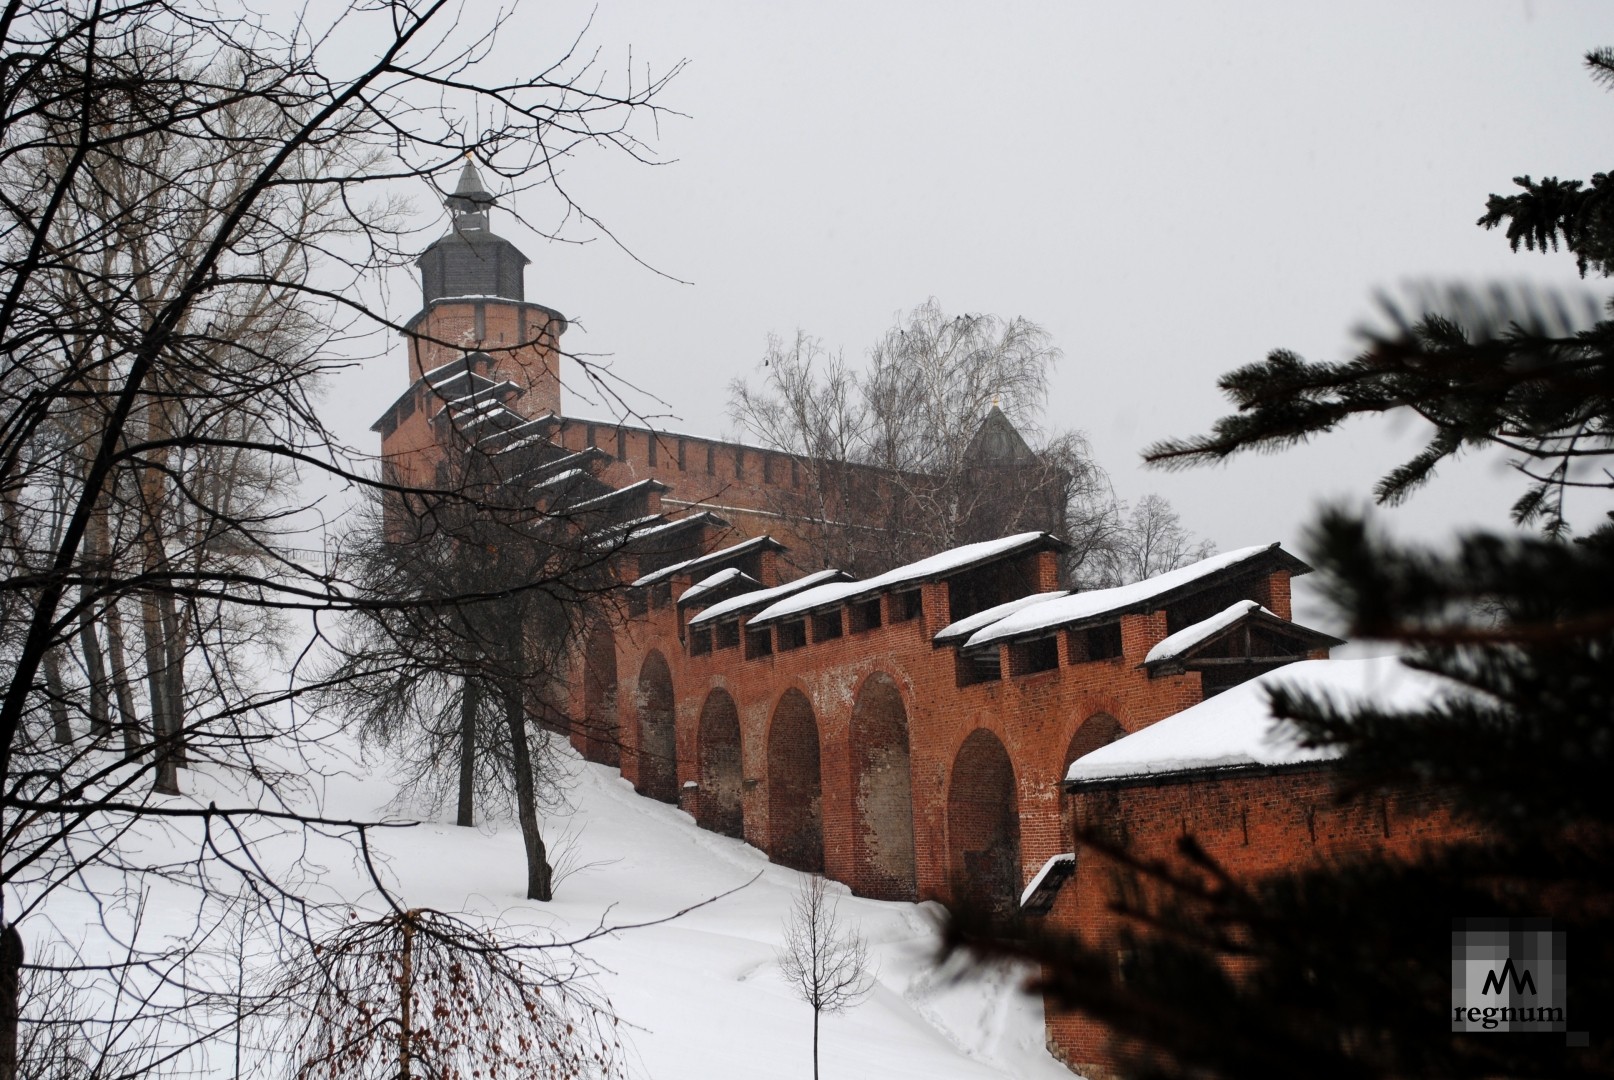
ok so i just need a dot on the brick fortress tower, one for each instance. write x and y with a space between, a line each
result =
476 340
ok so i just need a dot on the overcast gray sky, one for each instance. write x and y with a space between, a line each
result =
1171 189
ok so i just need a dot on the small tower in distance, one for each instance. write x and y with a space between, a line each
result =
474 300
476 337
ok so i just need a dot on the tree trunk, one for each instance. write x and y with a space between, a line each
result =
406 992
167 782
11 957
56 699
128 719
540 884
815 1044
174 674
470 699
95 670
95 545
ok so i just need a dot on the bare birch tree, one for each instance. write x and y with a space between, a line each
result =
421 993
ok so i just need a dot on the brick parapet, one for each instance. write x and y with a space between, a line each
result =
1253 823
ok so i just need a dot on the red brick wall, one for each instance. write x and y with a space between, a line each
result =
1253 825
522 338
863 688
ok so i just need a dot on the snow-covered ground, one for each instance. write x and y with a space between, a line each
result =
699 995
702 992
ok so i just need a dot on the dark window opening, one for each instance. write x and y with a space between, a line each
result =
907 605
681 449
652 440
1095 643
977 667
793 635
661 594
711 459
827 625
758 643
636 602
700 641
593 436
728 635
767 468
621 445
795 473
1201 606
739 463
865 616
1030 657
987 586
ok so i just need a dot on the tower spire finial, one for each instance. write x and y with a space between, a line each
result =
469 196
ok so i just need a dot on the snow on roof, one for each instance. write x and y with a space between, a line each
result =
565 461
1058 867
939 565
797 603
626 526
963 628
481 394
611 496
464 416
746 601
714 581
676 523
710 557
1236 728
1189 636
1087 605
519 444
558 478
454 368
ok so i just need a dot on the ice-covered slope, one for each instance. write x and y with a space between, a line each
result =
702 993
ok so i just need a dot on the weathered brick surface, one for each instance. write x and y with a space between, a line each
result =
878 718
1253 824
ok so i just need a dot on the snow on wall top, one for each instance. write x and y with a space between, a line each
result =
701 560
714 581
963 628
1189 636
939 565
761 596
1086 605
1058 864
1236 727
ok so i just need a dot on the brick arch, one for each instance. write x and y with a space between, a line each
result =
884 864
983 825
795 821
718 806
602 735
1097 730
657 747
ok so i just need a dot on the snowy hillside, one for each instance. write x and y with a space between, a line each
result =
703 991
700 996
